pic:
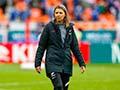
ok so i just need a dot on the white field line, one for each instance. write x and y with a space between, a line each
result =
19 84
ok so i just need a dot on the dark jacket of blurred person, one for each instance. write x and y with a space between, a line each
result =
3 4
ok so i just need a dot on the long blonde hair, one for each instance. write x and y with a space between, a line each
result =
67 17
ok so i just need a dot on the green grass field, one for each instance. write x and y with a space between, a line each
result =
96 77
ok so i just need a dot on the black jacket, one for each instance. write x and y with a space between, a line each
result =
58 55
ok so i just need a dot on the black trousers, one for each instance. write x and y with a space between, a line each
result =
60 81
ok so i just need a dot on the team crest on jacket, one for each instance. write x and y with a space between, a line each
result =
70 32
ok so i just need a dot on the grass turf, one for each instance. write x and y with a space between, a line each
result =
96 77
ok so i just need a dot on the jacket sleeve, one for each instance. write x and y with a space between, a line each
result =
76 51
41 46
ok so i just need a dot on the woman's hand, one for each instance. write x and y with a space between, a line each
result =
38 69
82 69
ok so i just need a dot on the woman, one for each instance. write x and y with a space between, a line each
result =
58 39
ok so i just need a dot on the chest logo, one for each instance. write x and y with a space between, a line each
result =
70 32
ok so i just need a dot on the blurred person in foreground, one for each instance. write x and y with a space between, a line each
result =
58 39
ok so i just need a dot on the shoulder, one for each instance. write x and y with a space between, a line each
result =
72 24
50 24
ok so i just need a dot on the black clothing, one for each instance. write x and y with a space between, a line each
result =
58 54
60 81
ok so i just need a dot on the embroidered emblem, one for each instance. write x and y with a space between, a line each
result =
70 32
53 75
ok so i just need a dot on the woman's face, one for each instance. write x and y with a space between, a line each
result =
59 14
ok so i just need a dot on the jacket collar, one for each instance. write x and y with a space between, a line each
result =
70 25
